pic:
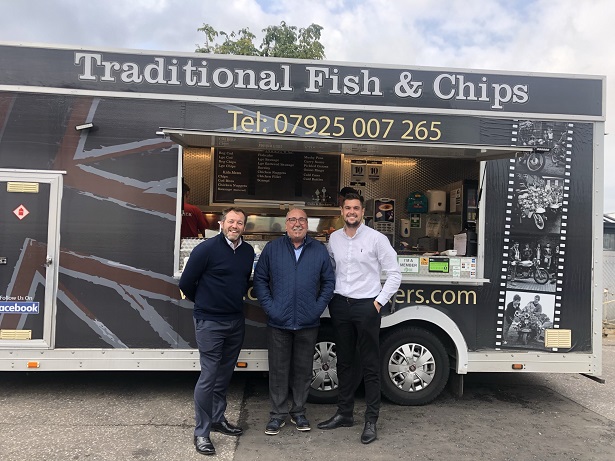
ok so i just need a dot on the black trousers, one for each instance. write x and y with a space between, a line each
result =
219 345
357 324
291 359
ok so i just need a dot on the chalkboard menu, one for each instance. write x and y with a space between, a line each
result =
276 176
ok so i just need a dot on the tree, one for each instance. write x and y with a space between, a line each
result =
281 41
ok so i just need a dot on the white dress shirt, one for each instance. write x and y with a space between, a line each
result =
359 262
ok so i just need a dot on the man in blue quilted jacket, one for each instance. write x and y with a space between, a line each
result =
293 282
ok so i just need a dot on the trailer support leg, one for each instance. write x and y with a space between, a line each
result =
455 384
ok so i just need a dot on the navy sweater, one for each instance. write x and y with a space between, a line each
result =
294 293
216 278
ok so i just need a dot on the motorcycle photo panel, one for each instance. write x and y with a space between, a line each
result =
531 264
537 203
550 140
535 235
526 317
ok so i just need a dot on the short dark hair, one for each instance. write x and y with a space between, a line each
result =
348 190
236 210
185 189
516 298
353 196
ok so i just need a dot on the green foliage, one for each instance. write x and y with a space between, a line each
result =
281 41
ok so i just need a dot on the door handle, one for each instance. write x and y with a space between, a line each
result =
48 261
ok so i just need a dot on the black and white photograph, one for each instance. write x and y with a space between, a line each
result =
551 143
526 317
537 204
532 263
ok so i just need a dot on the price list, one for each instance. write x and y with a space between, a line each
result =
278 176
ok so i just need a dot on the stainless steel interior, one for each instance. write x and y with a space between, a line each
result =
405 169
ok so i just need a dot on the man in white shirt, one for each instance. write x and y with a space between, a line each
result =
360 254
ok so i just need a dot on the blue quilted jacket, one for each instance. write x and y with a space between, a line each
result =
294 293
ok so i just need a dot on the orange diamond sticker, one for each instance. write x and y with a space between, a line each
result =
21 212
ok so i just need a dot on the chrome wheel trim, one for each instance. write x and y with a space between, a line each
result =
324 367
411 367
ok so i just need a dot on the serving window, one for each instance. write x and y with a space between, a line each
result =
385 175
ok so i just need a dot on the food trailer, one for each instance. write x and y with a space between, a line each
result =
487 183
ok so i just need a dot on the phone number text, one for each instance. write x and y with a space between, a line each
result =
337 127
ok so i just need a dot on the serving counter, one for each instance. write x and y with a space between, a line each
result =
415 268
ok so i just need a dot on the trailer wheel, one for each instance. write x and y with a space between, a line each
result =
324 384
415 366
324 387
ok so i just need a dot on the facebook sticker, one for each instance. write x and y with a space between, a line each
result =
19 308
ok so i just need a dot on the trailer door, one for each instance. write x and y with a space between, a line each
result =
29 249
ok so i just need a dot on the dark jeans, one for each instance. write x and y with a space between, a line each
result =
357 323
291 357
219 345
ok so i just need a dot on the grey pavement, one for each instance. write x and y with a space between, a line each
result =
500 417
104 416
592 395
149 416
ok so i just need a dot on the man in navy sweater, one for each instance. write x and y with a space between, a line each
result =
216 278
293 282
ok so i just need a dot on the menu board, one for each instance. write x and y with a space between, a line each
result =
279 176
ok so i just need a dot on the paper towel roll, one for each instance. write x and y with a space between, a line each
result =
436 200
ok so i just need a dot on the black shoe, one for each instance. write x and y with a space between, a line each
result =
204 446
227 428
301 422
336 421
369 433
273 426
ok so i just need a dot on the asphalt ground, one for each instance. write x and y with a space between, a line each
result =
149 416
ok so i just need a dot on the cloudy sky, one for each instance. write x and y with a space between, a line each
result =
568 36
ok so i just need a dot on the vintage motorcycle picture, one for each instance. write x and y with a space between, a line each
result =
526 317
532 263
537 203
549 142
528 269
529 325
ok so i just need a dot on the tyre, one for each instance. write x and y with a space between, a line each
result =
539 221
541 275
415 366
324 384
535 162
523 337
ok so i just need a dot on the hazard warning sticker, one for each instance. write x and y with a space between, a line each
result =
21 212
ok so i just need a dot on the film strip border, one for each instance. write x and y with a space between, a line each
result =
559 256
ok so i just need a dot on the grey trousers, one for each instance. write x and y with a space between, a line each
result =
291 357
219 345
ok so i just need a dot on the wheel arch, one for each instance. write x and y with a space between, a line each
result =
436 322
